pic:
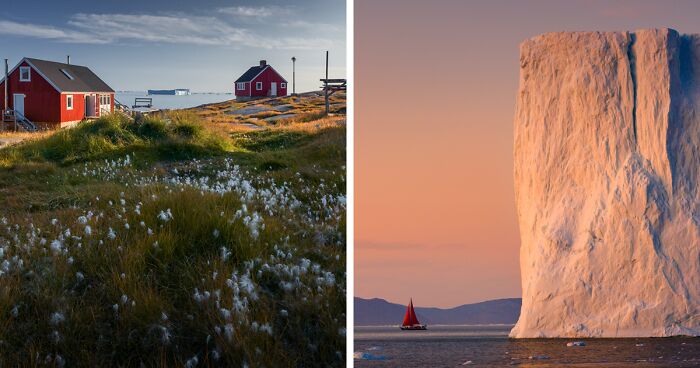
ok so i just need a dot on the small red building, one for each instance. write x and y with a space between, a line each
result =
54 95
260 81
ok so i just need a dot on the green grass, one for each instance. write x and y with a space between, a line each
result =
107 137
276 295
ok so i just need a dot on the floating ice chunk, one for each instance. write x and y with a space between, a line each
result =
367 356
576 343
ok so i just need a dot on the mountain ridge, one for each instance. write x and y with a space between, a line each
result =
378 311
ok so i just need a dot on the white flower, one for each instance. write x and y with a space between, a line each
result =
57 318
88 230
225 253
82 220
79 276
228 331
111 234
56 246
165 216
266 328
192 362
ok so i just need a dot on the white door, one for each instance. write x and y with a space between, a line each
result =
273 89
18 102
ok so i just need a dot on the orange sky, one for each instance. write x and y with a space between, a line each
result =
435 88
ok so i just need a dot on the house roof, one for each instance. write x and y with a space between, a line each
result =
253 72
84 80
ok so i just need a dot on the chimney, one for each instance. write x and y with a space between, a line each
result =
68 59
263 62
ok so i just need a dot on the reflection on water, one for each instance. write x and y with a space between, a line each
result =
451 346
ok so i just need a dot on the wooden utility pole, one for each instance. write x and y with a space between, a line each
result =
326 82
4 109
331 86
294 72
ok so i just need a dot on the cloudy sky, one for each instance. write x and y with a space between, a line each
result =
203 45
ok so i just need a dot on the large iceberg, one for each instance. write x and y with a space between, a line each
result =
607 172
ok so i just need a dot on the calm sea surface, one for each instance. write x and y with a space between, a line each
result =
174 102
489 346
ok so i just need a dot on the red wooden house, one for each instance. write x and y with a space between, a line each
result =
53 95
260 81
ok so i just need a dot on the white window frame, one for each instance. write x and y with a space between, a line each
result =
240 86
69 98
258 86
283 85
29 73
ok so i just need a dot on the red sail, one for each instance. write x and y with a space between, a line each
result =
410 318
414 319
407 317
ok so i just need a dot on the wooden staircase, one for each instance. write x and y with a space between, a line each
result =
18 121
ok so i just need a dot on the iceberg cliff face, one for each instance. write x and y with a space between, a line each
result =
607 184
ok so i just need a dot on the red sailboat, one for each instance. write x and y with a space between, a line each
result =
410 321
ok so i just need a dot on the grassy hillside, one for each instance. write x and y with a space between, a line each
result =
167 242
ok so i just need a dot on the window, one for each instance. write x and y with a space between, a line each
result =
283 85
258 86
69 102
109 98
65 72
240 86
25 74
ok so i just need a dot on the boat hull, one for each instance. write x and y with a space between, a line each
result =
414 328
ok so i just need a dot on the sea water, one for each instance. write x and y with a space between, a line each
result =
489 346
173 102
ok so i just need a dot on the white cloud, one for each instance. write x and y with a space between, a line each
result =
319 27
174 29
47 32
245 11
